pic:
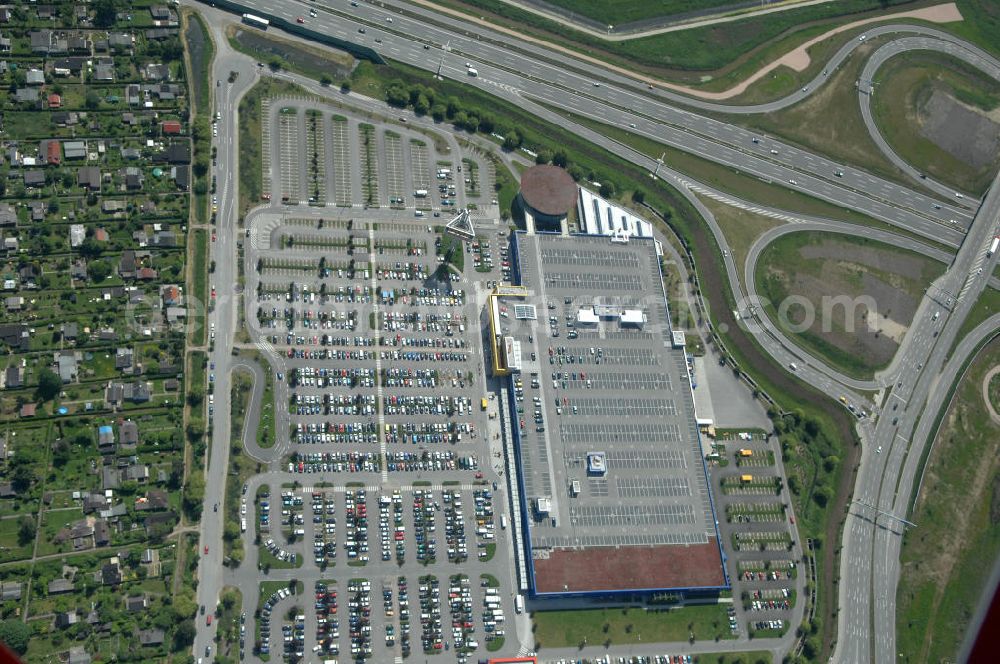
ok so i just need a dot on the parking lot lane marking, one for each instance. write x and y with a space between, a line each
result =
378 365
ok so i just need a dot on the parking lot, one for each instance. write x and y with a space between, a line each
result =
758 531
382 541
385 503
385 500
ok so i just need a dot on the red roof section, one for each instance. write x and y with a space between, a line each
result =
53 153
55 101
548 189
171 127
605 569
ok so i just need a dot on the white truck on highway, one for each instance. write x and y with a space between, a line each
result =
473 72
993 246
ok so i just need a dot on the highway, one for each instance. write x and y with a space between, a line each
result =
917 380
866 90
505 71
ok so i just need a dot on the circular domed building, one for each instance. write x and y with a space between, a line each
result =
547 195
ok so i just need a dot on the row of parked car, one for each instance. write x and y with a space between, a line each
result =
265 618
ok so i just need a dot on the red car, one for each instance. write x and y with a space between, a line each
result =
206 549
300 20
208 620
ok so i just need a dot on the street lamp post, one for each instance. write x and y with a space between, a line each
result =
437 74
659 162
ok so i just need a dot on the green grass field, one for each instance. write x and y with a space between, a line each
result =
904 85
319 63
741 228
265 428
199 281
202 52
987 305
947 559
618 12
560 629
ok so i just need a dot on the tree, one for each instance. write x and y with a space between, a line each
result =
92 100
231 532
512 140
487 123
22 477
90 248
106 12
639 196
560 158
438 112
26 527
200 167
822 495
61 453
608 189
184 635
396 95
421 105
49 384
345 86
543 157
176 473
326 80
98 270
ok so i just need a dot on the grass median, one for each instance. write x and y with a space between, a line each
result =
241 468
199 284
583 627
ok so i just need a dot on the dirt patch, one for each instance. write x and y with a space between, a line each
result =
335 63
846 326
966 134
907 266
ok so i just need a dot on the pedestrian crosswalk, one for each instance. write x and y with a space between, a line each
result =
264 346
